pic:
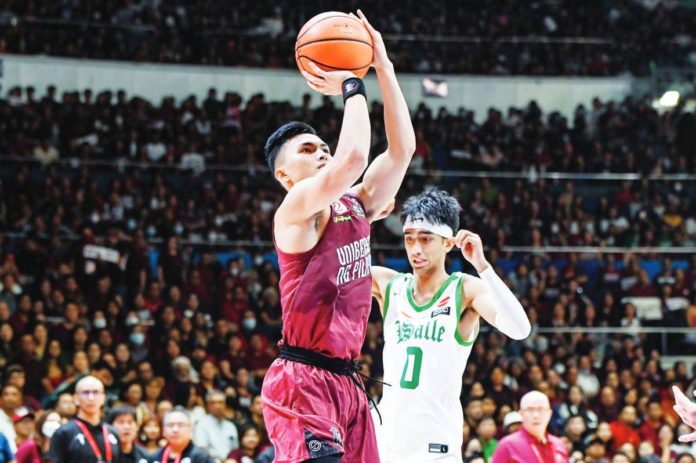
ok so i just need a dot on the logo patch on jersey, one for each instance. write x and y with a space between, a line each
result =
443 302
440 311
342 218
339 208
318 448
438 448
357 208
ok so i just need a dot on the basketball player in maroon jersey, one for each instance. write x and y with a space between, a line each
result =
315 407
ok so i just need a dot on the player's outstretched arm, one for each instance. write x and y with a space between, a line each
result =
316 193
686 409
489 295
381 276
386 173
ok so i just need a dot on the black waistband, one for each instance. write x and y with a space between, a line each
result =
315 359
334 365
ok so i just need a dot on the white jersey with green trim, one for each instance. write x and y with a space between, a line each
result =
424 361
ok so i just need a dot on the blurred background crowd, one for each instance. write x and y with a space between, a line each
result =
598 38
135 235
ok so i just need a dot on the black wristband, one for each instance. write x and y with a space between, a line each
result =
351 87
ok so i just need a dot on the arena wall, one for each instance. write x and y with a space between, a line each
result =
155 81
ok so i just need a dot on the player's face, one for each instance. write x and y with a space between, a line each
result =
426 251
302 157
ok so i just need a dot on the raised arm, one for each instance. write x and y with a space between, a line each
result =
313 194
489 296
385 174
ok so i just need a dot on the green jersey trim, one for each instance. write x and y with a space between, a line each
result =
388 294
458 302
421 308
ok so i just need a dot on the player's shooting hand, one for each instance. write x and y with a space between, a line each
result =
472 249
326 82
380 57
686 409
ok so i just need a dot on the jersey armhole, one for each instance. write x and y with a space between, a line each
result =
458 303
387 295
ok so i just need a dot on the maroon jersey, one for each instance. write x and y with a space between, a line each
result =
326 292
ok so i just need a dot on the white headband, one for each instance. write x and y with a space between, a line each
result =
421 223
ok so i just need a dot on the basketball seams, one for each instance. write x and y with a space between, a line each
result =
333 39
310 26
328 65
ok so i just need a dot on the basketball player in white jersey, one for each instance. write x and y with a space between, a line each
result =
431 319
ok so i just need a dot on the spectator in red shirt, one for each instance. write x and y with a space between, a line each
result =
623 428
643 288
653 422
532 443
153 299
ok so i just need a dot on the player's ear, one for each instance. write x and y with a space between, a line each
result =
449 244
283 178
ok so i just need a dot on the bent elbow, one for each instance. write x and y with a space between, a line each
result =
523 332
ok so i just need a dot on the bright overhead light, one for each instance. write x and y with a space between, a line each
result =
670 99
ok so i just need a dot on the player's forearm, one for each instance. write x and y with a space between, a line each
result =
510 318
397 120
353 146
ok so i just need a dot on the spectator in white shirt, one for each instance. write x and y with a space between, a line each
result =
214 433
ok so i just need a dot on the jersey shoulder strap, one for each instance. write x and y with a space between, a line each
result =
459 301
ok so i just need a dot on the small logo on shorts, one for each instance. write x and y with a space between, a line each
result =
318 448
438 448
314 445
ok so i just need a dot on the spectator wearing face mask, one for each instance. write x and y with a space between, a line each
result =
33 449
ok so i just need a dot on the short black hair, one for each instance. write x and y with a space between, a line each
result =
436 205
120 411
282 134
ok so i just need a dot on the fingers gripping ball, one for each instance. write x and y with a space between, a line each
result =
334 41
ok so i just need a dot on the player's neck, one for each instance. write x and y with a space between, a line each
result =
429 281
91 418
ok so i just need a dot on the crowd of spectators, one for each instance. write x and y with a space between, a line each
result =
479 37
120 271
198 143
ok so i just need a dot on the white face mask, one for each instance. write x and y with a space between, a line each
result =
100 323
49 428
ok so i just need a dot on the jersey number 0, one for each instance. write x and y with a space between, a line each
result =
411 375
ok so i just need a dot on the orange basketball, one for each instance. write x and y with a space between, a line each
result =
334 41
